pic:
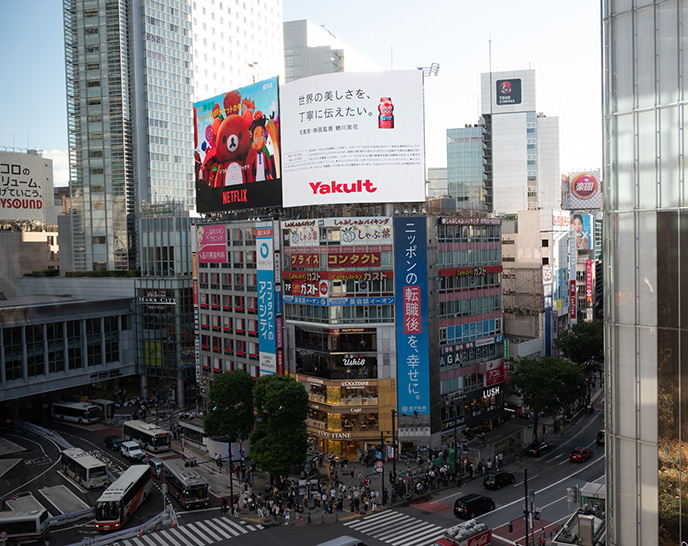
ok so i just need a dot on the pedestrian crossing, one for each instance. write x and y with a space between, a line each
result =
198 533
397 529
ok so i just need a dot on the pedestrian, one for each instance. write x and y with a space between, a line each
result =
351 468
360 477
544 429
500 456
518 457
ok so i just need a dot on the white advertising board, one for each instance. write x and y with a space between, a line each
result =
26 186
353 138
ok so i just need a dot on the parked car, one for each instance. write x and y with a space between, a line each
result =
538 448
473 505
580 455
600 438
113 442
498 480
133 451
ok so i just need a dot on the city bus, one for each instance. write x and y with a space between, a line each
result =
149 436
77 412
119 501
84 469
185 484
107 409
24 526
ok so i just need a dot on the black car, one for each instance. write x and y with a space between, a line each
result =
538 448
498 480
113 442
472 505
600 438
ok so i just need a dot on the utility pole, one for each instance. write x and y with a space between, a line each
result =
394 445
525 512
382 450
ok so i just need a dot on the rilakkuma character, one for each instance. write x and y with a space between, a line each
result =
259 160
232 103
232 145
211 163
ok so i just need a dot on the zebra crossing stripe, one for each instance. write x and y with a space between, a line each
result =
391 525
167 537
187 533
428 538
149 540
206 531
401 527
231 527
371 522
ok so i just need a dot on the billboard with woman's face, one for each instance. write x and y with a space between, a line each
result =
583 227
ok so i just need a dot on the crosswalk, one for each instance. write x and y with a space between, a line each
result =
198 533
397 529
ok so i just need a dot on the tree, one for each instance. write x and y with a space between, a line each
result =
231 402
584 344
549 385
279 439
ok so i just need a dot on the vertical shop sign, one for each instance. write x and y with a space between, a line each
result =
267 338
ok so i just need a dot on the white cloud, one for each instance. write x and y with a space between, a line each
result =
60 166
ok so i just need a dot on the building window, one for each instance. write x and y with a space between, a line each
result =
545 261
545 243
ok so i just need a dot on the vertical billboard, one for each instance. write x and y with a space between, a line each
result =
211 244
26 186
589 280
413 340
547 289
237 155
353 138
267 335
583 228
508 91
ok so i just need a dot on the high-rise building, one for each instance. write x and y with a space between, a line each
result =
311 49
131 71
645 248
509 161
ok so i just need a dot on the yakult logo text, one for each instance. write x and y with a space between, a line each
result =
359 186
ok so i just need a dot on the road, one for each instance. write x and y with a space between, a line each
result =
30 465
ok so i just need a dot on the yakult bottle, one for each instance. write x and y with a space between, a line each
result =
385 119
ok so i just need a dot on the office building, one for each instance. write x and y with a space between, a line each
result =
133 70
311 49
509 161
645 249
436 183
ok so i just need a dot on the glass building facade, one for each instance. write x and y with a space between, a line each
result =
129 86
645 239
466 150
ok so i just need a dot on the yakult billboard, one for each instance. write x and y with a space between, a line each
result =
353 138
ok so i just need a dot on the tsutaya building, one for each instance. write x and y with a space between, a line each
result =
400 313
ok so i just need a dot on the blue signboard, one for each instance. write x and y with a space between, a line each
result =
413 340
336 302
265 275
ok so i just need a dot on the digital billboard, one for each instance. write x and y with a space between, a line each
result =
583 228
211 244
237 155
413 337
581 190
353 138
26 186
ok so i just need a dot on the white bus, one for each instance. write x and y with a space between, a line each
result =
149 436
24 526
185 484
85 469
77 412
119 501
107 409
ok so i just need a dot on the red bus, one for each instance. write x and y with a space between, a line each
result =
185 484
119 501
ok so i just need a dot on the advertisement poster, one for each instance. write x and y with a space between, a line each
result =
237 155
267 334
211 244
583 227
26 186
411 283
581 190
353 138
589 280
508 91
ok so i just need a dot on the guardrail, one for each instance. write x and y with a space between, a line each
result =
64 444
164 520
63 519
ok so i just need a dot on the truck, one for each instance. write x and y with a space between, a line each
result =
468 533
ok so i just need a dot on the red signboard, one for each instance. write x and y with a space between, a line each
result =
354 259
573 303
305 260
473 271
314 276
483 539
588 280
494 372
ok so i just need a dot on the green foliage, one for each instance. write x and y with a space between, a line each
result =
584 343
280 439
549 385
231 403
44 273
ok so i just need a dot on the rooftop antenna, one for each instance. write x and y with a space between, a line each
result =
489 42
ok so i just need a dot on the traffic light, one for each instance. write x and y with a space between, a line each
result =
511 526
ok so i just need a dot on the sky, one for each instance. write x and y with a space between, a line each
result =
560 40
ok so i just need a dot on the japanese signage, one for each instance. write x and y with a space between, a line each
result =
336 302
470 271
581 190
353 138
494 372
267 334
411 284
238 159
211 244
508 92
547 288
352 231
26 186
457 221
573 300
589 280
561 220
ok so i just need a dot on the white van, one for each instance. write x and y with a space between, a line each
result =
344 541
